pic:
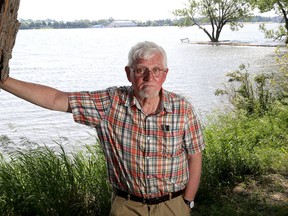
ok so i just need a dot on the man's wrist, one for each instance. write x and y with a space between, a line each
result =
190 203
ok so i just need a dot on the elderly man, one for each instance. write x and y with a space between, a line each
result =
151 137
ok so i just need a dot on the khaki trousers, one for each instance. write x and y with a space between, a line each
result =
173 207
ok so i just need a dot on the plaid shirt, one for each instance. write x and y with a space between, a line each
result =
146 154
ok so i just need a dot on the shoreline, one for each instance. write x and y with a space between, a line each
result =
230 43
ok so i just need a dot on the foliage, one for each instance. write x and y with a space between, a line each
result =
240 145
217 13
49 23
282 78
251 138
281 8
279 34
258 95
254 96
45 182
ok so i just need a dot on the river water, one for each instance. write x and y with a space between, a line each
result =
91 59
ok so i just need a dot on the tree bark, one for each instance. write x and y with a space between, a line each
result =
9 26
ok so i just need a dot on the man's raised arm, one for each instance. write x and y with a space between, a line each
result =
40 95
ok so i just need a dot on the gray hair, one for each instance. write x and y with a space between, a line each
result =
145 50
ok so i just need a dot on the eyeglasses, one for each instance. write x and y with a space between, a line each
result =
142 71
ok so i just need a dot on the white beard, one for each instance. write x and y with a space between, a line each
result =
147 95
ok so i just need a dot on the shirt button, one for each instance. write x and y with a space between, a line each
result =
148 158
148 138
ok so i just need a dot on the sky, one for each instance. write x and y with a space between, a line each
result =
71 10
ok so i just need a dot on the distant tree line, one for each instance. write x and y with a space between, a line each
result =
53 24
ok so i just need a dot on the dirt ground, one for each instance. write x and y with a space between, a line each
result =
265 195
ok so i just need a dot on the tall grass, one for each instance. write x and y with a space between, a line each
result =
48 182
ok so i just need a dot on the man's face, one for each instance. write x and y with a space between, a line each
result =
146 85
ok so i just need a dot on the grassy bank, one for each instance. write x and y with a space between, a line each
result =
245 165
244 173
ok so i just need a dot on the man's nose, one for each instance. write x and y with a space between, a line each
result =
148 75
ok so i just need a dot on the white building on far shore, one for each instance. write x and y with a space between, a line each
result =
122 23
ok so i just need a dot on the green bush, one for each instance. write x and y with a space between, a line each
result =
253 95
240 145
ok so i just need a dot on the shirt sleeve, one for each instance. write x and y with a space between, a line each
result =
89 108
193 137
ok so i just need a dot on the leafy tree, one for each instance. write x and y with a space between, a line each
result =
44 24
32 25
216 12
55 25
281 8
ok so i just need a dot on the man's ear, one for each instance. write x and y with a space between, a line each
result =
166 72
128 72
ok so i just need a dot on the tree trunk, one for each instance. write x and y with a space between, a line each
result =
9 26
